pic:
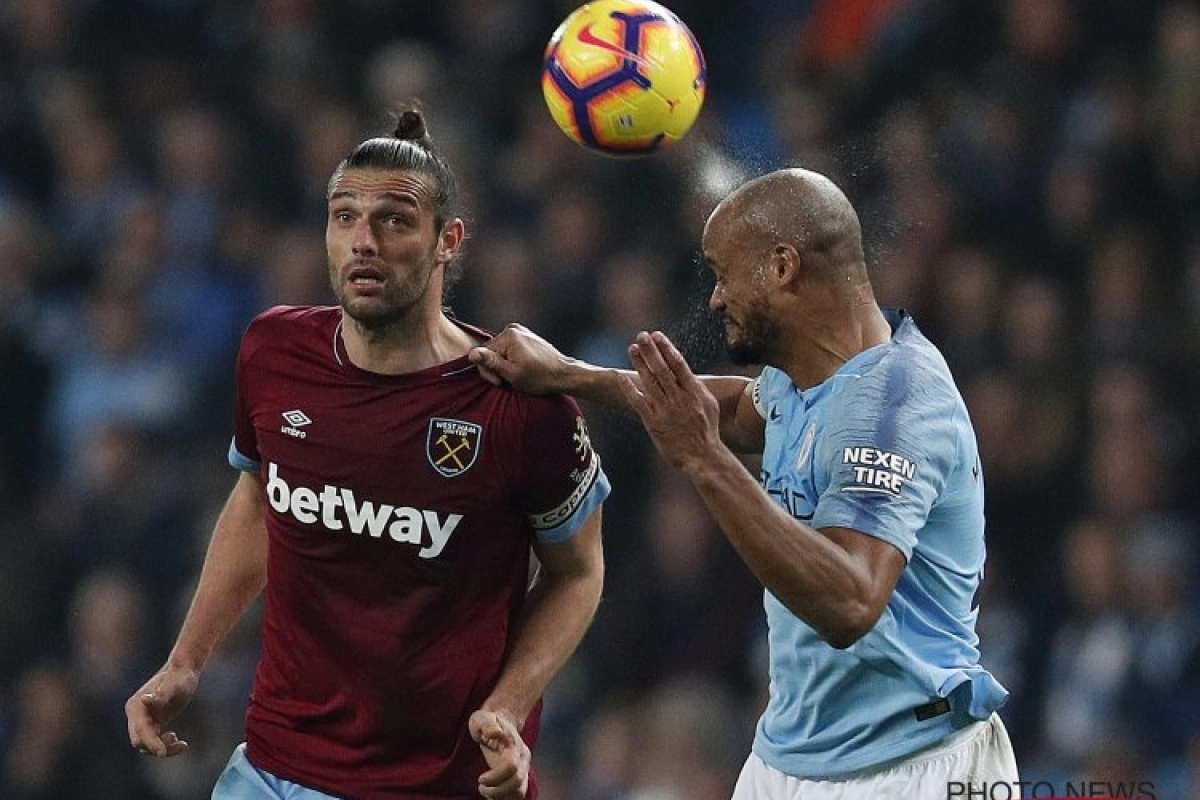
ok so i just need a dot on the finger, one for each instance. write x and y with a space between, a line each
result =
498 776
509 791
149 746
513 785
173 744
163 746
486 361
674 360
650 384
487 728
649 351
483 356
157 707
633 395
142 728
136 717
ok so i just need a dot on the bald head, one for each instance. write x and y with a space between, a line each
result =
791 281
800 208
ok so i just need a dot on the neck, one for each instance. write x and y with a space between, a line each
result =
828 340
404 345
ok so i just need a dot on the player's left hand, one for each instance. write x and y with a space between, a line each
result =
679 412
506 753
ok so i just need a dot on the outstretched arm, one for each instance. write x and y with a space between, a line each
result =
559 610
521 358
837 580
234 572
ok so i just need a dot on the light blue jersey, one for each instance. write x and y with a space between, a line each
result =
884 446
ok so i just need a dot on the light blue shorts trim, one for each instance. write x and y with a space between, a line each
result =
241 780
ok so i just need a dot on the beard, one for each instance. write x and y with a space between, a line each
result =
755 343
391 304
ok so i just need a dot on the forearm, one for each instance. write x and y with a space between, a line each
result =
592 383
234 573
814 577
600 385
556 616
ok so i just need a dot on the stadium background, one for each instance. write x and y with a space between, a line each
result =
1028 174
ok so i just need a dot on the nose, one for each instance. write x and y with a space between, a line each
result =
716 300
363 242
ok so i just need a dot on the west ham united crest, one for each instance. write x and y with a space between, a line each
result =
452 445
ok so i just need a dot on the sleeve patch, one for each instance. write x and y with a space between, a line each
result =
556 516
874 470
756 396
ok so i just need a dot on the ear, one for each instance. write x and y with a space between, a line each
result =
785 263
450 240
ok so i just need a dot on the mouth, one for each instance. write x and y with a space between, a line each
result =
365 277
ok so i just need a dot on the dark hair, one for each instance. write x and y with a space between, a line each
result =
410 149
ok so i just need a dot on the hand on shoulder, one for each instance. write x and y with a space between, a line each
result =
519 357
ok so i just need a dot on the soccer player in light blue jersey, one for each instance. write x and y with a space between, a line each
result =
867 526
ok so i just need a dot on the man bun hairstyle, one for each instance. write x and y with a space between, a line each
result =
409 149
410 126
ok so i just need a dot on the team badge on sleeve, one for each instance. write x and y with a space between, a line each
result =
452 445
583 442
584 476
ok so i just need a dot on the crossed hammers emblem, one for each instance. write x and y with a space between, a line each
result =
453 450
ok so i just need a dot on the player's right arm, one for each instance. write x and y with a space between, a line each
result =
529 363
234 572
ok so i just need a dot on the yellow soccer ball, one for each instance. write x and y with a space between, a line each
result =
624 77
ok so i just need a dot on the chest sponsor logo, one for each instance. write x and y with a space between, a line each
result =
874 470
338 509
794 501
452 445
295 420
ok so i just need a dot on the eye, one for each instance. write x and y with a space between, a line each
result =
401 221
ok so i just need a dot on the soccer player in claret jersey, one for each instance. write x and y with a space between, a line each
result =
394 505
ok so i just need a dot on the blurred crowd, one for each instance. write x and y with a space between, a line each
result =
1028 177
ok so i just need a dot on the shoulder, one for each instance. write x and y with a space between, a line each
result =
903 390
543 429
910 368
286 323
292 317
544 413
920 367
770 384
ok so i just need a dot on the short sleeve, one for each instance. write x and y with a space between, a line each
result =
243 449
756 396
564 482
885 457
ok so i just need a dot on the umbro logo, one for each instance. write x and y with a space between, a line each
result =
774 414
295 419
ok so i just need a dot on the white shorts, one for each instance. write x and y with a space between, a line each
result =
978 754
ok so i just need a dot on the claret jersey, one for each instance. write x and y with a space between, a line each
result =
400 512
